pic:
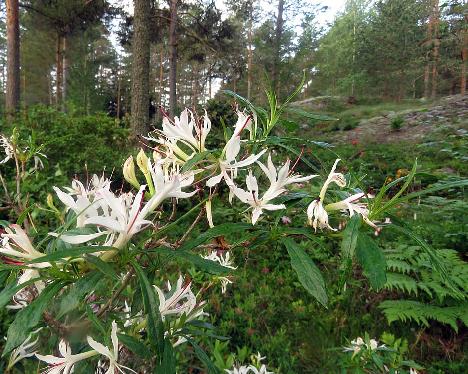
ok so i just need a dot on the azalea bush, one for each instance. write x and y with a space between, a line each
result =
121 282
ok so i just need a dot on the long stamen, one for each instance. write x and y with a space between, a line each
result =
249 117
296 162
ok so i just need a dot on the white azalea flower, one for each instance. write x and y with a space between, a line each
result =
168 182
15 243
26 349
123 215
67 361
279 179
222 260
111 355
244 369
7 148
179 301
317 215
227 163
184 130
225 281
352 205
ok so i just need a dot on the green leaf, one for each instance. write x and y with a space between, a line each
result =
77 291
224 229
350 236
197 157
135 346
167 363
309 275
71 252
95 320
29 317
203 357
372 260
151 306
209 266
102 266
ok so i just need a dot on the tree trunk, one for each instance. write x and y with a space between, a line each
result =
464 60
12 98
249 53
161 78
173 58
278 36
141 68
65 67
427 68
119 95
59 72
436 44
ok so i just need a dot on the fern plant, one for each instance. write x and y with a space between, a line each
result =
427 295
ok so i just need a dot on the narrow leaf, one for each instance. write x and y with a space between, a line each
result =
350 236
308 273
77 291
372 260
29 317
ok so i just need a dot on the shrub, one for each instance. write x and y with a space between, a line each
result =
397 122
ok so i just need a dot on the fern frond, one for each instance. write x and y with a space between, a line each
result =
401 282
411 310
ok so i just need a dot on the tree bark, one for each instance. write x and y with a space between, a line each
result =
173 58
464 60
249 53
278 36
436 44
161 77
65 67
12 98
141 68
427 68
59 72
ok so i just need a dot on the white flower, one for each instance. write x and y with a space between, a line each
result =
413 371
222 260
227 162
186 131
179 301
111 355
224 283
65 363
129 320
316 213
24 350
7 148
352 205
251 368
238 370
15 243
373 344
168 182
123 215
278 181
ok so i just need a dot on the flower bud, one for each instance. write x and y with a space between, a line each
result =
142 161
129 172
50 204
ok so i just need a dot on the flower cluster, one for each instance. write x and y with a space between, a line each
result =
181 165
65 363
257 367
